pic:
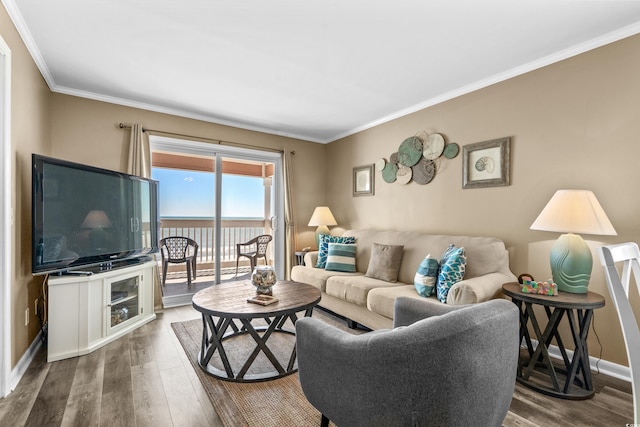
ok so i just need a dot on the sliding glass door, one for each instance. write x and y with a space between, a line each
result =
219 197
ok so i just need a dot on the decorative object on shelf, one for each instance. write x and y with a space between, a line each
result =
573 211
541 288
525 276
263 278
321 218
363 181
451 150
433 146
486 164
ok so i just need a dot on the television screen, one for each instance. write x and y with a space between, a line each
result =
85 216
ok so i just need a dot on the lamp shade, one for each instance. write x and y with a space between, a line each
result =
322 216
574 211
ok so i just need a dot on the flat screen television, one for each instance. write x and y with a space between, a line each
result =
84 216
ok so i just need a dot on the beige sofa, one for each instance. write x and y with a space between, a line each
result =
370 301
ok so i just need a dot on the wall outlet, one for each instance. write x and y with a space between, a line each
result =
26 317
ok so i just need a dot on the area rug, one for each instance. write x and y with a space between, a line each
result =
277 402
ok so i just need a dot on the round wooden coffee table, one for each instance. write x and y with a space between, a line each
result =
225 306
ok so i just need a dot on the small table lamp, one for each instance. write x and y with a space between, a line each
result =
322 217
573 211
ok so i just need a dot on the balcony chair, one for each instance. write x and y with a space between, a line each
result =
440 365
177 249
629 255
253 249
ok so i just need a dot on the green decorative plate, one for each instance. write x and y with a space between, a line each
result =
410 151
389 172
451 150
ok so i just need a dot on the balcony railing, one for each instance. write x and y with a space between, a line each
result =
203 232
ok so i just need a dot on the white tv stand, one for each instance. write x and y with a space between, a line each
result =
89 311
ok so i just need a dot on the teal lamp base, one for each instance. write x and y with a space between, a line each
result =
322 229
571 264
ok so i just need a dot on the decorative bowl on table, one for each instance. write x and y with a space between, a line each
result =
263 278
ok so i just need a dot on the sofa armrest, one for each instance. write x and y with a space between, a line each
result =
409 310
311 259
478 289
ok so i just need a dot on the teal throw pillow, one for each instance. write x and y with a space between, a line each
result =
452 268
323 250
426 276
341 257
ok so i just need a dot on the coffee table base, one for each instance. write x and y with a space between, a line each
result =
215 333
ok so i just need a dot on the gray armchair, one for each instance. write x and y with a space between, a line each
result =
440 366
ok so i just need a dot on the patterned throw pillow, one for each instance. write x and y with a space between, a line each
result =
452 268
341 257
426 276
323 250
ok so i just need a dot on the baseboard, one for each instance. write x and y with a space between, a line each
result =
176 300
25 361
599 365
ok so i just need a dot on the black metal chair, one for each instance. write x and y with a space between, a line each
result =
253 249
177 249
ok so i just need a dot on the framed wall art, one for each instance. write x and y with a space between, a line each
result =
363 181
486 164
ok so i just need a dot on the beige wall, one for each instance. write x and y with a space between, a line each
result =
30 126
573 124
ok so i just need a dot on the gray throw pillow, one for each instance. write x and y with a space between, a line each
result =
385 262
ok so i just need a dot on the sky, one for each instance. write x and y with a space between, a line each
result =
191 194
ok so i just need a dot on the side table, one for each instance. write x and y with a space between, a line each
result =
570 379
300 257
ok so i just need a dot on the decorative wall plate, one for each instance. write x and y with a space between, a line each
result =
451 150
404 174
433 146
389 172
380 164
410 151
393 158
424 171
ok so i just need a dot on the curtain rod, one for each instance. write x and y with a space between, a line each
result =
216 141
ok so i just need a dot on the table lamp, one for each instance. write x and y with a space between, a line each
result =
573 211
322 217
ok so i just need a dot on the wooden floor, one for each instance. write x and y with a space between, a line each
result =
145 379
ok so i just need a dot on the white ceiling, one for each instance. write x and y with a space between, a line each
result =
311 69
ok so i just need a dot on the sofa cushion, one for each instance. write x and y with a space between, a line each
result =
452 268
323 250
382 300
385 262
341 257
354 289
426 276
316 277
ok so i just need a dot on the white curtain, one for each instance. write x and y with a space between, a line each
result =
289 222
140 164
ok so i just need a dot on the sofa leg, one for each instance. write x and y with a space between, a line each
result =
351 324
324 421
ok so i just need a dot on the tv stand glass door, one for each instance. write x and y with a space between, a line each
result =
124 301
